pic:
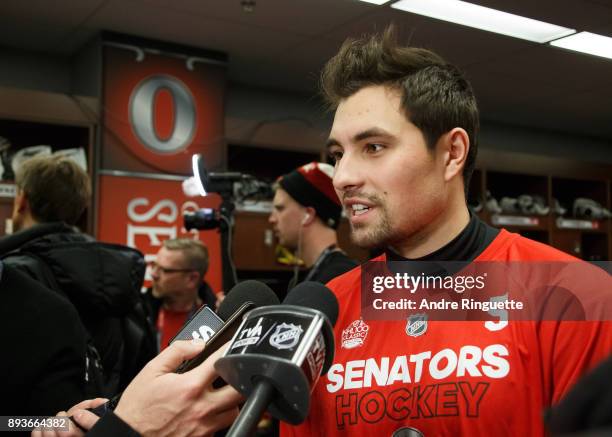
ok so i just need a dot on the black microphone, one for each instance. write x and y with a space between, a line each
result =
203 324
243 297
246 291
278 354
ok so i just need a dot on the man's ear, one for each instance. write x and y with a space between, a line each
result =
21 203
309 215
457 147
195 278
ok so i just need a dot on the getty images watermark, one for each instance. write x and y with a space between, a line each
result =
576 290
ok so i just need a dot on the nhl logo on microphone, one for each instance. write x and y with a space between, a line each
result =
286 336
416 325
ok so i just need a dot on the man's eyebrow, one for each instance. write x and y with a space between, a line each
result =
331 142
368 133
372 132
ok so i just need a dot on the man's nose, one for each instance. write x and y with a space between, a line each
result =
347 175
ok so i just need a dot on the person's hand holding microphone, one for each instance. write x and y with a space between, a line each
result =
161 402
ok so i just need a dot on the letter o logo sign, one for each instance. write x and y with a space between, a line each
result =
141 111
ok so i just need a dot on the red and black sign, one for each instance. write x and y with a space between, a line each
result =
159 109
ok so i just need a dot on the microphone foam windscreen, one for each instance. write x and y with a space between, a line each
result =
247 291
314 295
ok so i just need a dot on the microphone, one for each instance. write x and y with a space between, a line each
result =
278 353
246 291
203 324
243 297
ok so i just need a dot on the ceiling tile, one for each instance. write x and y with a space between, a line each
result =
284 43
550 66
306 18
184 28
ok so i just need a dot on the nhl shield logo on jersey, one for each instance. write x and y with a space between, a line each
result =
354 335
416 325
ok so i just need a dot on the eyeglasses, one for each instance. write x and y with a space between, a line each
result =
165 270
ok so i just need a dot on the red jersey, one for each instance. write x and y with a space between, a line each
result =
466 378
169 323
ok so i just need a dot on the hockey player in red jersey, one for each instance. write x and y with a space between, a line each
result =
404 142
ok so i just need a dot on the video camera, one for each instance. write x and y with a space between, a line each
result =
233 187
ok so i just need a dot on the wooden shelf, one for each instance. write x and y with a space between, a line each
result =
590 226
523 222
29 118
580 236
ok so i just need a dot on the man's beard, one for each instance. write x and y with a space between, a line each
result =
380 233
378 236
289 245
157 292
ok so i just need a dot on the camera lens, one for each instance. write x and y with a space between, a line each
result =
205 218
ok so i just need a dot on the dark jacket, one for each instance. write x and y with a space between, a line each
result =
334 264
43 344
586 409
101 280
111 424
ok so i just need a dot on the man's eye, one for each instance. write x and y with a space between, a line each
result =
335 155
374 148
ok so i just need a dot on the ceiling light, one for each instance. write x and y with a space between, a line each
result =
375 2
248 6
587 42
480 17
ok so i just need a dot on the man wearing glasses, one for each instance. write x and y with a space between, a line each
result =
178 288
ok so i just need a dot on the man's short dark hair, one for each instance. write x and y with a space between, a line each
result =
56 187
436 97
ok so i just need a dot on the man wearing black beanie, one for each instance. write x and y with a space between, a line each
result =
305 215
